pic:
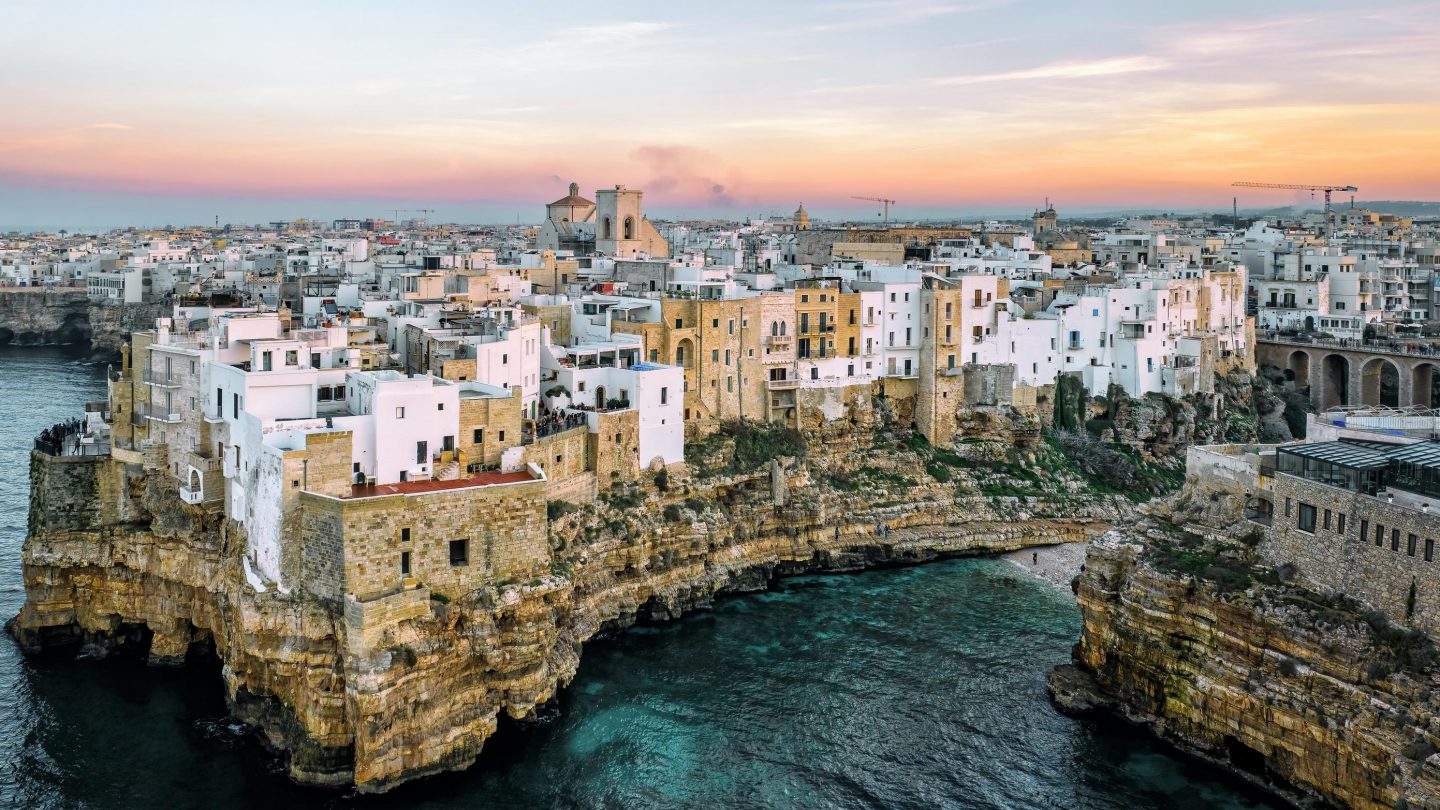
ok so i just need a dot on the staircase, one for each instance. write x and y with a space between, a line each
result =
447 472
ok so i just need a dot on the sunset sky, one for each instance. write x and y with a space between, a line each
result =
153 112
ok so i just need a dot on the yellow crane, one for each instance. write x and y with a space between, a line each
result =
882 201
1329 222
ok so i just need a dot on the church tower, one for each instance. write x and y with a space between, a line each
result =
619 221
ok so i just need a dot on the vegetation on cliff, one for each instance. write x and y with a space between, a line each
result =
1311 694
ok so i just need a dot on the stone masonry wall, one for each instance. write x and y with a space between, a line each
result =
503 526
1382 576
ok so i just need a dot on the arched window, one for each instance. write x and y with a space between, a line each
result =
629 227
774 327
782 327
605 231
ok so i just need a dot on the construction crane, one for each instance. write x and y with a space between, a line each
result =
882 201
398 211
1329 221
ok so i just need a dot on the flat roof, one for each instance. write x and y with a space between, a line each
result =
484 479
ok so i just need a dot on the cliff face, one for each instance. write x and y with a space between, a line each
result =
380 692
67 316
1305 694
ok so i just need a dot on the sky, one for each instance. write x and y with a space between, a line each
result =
152 113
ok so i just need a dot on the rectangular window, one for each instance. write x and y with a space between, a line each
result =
405 535
1394 539
459 553
1429 549
405 563
502 436
1327 519
1364 530
715 323
1287 507
1379 533
400 412
1306 521
479 435
1340 524
292 358
1410 542
664 395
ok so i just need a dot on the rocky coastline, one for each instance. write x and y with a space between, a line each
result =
36 316
1308 696
115 558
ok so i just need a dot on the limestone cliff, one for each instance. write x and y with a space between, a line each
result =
67 316
1309 695
380 692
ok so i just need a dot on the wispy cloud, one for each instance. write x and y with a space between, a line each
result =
880 13
1065 70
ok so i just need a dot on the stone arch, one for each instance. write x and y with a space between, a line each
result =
1422 385
1259 509
600 398
1379 383
1299 368
606 229
683 352
1309 323
1335 389
629 228
195 483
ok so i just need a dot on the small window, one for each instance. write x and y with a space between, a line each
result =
400 412
479 435
440 406
1364 530
1410 543
1306 521
405 563
1395 540
1287 507
1327 519
1429 549
459 553
502 436
1379 533
405 535
295 483
1340 524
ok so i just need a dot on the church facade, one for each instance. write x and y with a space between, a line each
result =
612 225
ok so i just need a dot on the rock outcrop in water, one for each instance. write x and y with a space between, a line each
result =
114 556
67 316
1309 695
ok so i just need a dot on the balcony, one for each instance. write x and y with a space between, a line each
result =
783 385
160 379
780 342
194 497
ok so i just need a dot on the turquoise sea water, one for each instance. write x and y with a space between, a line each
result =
904 688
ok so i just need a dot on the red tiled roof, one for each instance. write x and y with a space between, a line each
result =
483 479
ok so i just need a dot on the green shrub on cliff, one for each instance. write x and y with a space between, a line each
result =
744 445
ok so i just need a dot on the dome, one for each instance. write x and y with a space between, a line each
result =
574 197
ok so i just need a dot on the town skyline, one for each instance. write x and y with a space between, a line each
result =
943 106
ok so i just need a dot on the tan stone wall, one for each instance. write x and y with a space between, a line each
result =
504 526
498 423
556 318
615 448
457 370
560 455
